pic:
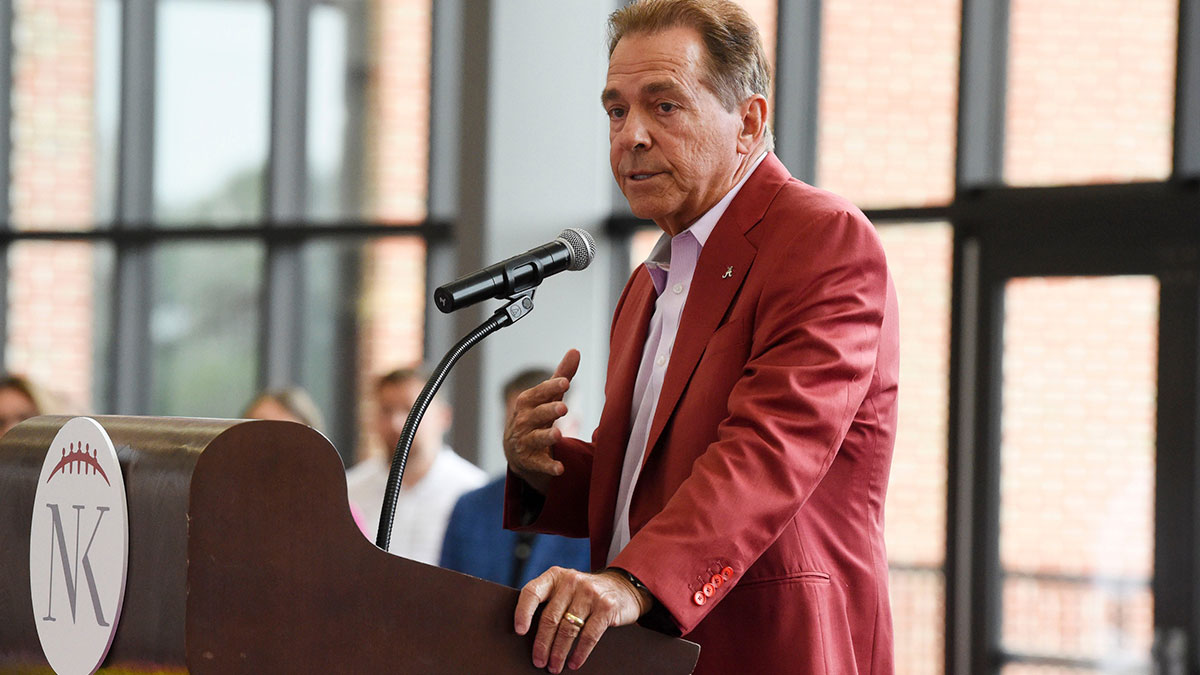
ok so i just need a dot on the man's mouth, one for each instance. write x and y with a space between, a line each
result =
641 176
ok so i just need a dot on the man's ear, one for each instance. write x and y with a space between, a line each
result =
754 123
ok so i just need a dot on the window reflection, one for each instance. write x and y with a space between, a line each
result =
327 113
1078 470
204 327
212 110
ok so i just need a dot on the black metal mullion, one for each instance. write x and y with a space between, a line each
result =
281 319
797 68
130 365
982 85
1177 489
283 233
972 521
972 545
1187 93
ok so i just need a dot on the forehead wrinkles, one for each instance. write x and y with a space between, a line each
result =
650 79
643 61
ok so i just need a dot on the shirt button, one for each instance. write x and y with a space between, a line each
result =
678 288
660 361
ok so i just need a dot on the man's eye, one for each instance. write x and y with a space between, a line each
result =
667 107
616 113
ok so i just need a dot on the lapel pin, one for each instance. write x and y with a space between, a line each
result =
728 272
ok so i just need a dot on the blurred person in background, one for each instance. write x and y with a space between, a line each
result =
288 404
293 404
434 475
19 400
476 542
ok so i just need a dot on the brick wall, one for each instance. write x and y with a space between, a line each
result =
392 308
887 105
50 284
1090 90
919 256
1077 470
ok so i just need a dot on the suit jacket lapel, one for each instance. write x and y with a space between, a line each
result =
723 265
629 339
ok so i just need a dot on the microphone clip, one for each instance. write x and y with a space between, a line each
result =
518 307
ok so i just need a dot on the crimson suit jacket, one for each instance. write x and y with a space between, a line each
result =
757 519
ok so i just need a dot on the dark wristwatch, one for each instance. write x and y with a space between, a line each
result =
637 584
658 617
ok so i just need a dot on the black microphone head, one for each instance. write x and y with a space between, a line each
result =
580 246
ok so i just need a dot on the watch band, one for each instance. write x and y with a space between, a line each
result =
637 583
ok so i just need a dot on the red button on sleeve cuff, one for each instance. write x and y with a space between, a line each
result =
727 573
699 598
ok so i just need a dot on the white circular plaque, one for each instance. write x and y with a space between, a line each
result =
78 548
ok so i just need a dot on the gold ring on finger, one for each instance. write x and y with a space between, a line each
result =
573 620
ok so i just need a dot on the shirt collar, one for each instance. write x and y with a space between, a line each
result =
658 263
703 227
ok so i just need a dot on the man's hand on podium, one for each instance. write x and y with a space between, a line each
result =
579 608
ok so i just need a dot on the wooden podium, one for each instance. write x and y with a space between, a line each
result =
243 558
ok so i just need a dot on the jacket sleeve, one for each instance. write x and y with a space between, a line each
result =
812 356
563 509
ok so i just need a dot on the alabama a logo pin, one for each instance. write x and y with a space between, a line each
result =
78 548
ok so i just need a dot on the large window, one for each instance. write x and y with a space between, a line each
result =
1044 454
150 207
1077 471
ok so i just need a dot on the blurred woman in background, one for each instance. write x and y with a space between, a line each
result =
19 400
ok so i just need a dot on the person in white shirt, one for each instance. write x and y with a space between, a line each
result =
434 476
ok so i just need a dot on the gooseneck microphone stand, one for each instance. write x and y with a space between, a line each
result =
518 307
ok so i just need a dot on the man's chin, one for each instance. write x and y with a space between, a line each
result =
645 209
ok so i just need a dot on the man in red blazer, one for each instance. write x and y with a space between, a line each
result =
733 490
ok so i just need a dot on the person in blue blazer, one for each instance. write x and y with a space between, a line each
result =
476 542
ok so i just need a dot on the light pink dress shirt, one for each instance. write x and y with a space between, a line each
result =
671 265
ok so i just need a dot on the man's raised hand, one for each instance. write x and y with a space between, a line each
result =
529 433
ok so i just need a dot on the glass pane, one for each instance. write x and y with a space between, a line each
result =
330 328
212 110
1077 470
108 98
1090 91
58 308
888 101
327 112
204 327
919 256
54 163
398 116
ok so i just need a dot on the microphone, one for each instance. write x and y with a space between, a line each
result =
572 250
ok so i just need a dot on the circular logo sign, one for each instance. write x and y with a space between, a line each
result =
78 548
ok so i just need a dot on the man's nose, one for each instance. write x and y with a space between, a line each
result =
635 133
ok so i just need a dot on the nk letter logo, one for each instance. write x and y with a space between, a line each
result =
78 548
